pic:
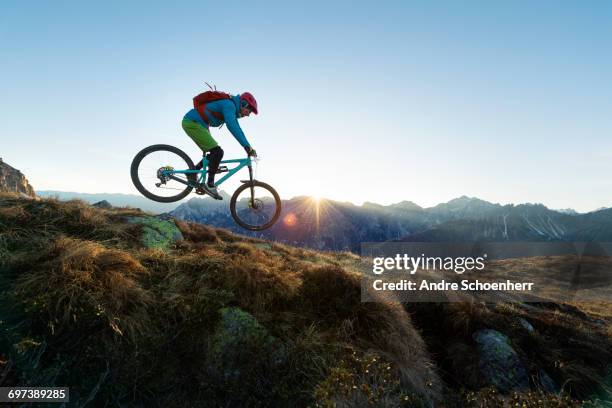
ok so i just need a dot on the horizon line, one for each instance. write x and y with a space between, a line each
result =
561 210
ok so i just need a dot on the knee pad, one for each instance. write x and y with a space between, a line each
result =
215 153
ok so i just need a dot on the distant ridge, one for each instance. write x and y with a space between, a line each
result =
569 211
115 199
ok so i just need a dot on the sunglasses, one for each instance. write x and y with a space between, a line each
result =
246 105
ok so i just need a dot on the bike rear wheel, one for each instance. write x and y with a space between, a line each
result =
152 176
255 206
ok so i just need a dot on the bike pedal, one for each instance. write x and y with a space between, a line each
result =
222 169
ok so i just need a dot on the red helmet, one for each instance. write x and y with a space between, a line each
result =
250 99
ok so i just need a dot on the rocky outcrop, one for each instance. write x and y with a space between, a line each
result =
13 181
103 204
499 363
244 359
156 233
239 341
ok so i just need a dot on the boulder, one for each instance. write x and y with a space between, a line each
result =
499 364
157 233
526 325
103 204
240 344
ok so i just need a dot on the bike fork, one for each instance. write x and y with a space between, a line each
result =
252 186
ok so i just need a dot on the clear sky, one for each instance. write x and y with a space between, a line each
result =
359 101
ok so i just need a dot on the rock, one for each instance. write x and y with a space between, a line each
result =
547 384
13 181
499 363
157 233
526 325
103 204
239 344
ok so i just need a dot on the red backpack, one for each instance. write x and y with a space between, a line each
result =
200 101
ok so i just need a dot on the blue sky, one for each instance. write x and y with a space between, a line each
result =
359 101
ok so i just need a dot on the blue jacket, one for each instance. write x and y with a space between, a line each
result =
230 109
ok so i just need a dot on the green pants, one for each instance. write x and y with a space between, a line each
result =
200 135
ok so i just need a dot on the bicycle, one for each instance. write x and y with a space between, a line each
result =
160 168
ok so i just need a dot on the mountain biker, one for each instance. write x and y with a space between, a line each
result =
217 113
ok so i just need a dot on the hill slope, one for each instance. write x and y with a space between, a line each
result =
214 320
133 310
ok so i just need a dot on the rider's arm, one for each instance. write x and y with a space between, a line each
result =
229 115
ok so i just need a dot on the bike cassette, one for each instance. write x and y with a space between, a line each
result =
161 170
160 173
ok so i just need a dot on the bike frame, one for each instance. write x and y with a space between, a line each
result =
241 163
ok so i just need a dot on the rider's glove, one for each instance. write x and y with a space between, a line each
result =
250 151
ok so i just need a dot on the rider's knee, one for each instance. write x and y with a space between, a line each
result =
216 152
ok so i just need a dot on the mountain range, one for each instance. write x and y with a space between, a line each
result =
334 225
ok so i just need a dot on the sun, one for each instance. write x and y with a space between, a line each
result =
290 220
316 198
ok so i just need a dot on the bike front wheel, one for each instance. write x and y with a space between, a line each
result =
255 206
152 174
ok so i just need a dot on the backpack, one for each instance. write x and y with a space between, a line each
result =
200 101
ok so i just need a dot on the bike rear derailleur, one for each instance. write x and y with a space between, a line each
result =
162 176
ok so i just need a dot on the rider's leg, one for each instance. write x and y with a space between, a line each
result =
202 137
214 158
199 134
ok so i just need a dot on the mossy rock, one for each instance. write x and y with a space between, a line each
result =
157 233
242 351
499 363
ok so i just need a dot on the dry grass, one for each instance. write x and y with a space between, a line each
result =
85 304
76 280
490 398
364 380
198 233
102 313
574 349
31 222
